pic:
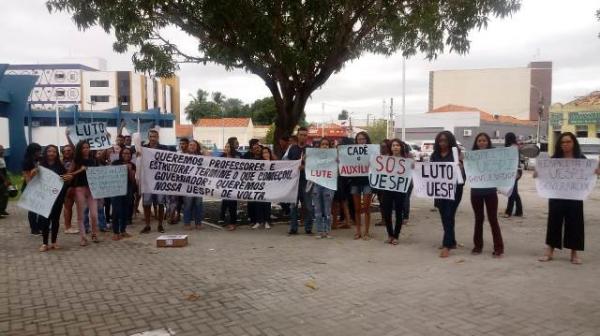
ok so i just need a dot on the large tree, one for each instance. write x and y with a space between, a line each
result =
293 46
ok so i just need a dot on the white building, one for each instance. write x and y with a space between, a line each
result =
215 132
517 92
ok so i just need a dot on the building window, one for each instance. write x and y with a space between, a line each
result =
100 99
98 83
581 131
59 93
59 76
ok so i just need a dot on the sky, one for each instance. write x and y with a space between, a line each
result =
562 31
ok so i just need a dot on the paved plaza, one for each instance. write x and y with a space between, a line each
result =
266 283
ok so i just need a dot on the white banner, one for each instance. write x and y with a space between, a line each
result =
492 168
437 180
572 179
94 133
107 181
391 173
171 173
354 159
321 167
41 192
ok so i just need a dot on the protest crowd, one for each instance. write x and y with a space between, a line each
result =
325 186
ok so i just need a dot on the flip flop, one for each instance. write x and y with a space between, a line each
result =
545 258
576 261
357 236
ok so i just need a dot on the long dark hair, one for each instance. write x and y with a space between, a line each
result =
44 161
510 139
403 151
451 141
487 137
385 143
121 154
558 152
78 157
363 133
30 151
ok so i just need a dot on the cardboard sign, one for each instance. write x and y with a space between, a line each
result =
169 173
321 167
172 241
391 173
93 133
437 180
572 179
41 192
492 168
107 181
354 159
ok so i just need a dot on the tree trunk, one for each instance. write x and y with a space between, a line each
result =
288 116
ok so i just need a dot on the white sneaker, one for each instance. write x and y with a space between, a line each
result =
255 226
267 226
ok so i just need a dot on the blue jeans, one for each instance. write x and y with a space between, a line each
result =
306 199
101 216
323 197
120 213
192 208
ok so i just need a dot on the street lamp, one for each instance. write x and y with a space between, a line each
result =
540 112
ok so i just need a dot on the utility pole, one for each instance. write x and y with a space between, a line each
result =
390 121
403 99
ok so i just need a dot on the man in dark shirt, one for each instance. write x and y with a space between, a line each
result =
154 199
297 152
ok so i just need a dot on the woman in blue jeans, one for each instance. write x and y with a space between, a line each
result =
361 194
123 205
442 152
192 205
322 199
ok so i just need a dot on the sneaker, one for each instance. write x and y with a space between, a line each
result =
255 226
146 229
161 229
267 226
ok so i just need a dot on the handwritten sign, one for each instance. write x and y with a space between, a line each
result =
321 167
107 181
93 133
41 192
572 179
391 173
437 180
170 173
354 159
492 168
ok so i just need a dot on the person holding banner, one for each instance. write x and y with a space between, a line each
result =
394 200
359 186
442 152
263 209
487 197
384 149
123 205
192 205
153 199
230 206
322 198
514 199
297 152
51 160
83 196
567 213
33 152
67 160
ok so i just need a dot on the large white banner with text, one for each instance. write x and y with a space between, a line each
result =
437 180
391 173
41 192
572 179
321 167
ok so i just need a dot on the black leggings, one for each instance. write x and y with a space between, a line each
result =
393 201
231 207
54 221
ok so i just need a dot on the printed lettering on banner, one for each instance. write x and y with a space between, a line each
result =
94 133
437 180
390 173
170 173
572 179
41 192
492 168
354 159
321 167
107 181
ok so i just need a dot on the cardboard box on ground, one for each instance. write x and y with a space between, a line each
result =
172 241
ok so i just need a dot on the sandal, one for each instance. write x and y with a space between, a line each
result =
116 237
230 227
476 251
576 261
389 240
394 242
445 253
367 237
83 242
357 236
545 258
497 254
55 247
44 248
95 238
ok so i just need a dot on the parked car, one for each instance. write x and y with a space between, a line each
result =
426 149
415 150
590 147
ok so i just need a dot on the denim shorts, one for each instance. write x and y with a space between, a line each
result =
149 199
360 189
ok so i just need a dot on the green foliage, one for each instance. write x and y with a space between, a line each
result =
343 115
270 137
378 131
262 111
293 46
201 107
17 181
